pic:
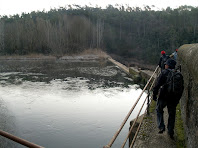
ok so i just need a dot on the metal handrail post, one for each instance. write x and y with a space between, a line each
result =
133 125
134 138
138 114
132 143
148 102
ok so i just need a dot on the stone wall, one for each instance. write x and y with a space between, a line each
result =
188 58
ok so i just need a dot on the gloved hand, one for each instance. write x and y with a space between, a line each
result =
154 97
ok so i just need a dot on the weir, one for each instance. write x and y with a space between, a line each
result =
132 71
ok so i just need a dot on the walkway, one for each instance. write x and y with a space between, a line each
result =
148 136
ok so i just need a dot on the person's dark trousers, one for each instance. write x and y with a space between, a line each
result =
171 119
161 104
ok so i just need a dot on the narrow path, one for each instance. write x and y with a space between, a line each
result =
148 136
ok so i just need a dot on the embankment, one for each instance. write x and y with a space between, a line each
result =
188 58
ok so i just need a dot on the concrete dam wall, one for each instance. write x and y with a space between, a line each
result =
188 58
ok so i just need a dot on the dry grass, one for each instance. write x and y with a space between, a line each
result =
97 52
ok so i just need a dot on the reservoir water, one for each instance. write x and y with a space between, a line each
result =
61 104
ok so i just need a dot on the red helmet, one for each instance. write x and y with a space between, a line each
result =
163 52
176 49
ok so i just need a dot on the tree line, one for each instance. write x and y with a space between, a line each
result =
129 32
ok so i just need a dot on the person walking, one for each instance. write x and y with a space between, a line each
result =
166 98
174 55
162 60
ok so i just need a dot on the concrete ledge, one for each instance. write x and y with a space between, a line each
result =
134 71
188 55
123 67
188 58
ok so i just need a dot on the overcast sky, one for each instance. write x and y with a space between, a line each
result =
10 7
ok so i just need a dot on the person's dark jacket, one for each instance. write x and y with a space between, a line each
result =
161 80
162 60
161 88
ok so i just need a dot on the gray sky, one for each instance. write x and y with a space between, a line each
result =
10 7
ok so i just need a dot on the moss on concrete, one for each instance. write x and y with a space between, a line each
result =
152 106
179 129
188 55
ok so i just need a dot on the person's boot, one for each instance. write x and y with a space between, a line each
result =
171 135
161 130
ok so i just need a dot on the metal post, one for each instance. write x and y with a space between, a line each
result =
148 104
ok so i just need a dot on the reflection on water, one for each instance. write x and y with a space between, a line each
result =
61 104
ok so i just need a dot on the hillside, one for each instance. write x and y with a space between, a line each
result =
132 33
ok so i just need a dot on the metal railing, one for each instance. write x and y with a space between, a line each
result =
131 110
19 140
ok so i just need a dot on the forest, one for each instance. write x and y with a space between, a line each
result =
139 33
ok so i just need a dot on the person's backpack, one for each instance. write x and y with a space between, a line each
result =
163 61
175 83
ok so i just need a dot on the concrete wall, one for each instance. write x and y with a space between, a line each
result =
188 58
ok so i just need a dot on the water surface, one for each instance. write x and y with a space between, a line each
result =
61 104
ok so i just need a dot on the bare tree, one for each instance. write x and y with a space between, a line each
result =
2 44
99 32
